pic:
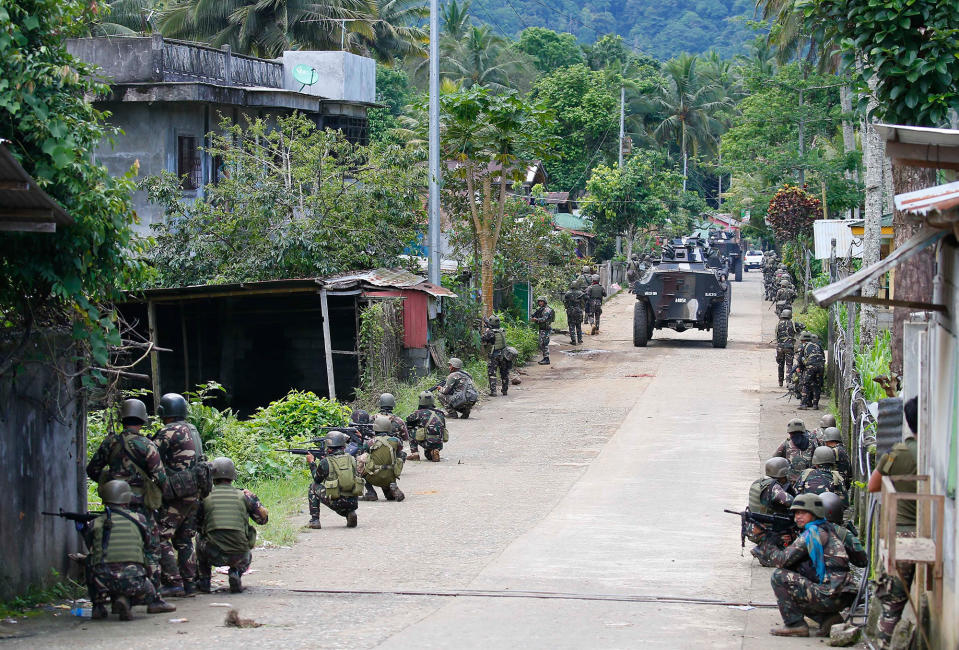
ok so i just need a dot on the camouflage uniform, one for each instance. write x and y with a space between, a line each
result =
224 547
632 273
574 301
399 426
497 362
774 500
799 595
584 280
112 579
177 445
786 332
320 469
544 317
812 361
596 293
110 462
453 394
817 480
843 465
433 423
799 459
892 591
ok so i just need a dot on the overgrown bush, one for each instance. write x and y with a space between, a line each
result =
873 363
816 320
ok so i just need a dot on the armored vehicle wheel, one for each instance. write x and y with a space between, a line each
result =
720 323
640 325
739 269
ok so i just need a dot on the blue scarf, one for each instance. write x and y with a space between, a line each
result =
814 547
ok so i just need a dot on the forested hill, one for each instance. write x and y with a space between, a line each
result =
662 28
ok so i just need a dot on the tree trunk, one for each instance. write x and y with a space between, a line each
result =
848 130
487 252
913 280
874 155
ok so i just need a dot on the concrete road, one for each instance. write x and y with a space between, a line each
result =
601 479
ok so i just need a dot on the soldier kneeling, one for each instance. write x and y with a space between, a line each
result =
429 427
336 483
225 534
382 464
116 565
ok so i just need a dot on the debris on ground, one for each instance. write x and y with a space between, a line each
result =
179 620
233 620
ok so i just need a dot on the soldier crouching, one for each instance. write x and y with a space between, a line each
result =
336 482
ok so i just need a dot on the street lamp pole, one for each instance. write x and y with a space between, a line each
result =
434 145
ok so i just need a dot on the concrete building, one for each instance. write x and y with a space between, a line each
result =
167 95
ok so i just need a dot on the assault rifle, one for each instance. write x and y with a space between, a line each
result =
79 519
774 523
303 452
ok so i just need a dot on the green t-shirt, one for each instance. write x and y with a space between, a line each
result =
899 461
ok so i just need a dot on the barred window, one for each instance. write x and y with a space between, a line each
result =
355 129
188 162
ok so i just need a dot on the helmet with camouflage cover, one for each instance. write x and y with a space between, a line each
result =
785 282
585 269
359 416
795 425
811 503
634 256
336 440
115 492
776 467
541 299
782 267
580 283
828 420
595 277
493 321
832 503
831 434
426 400
173 405
823 456
786 314
223 468
456 363
382 424
133 409
387 401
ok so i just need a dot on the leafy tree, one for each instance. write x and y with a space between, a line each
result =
293 201
586 105
624 202
489 140
62 279
549 49
791 213
393 90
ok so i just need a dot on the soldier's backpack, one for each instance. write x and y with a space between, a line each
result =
383 466
342 481
192 481
510 353
466 395
434 431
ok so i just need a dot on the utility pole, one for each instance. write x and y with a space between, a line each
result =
622 138
802 142
434 147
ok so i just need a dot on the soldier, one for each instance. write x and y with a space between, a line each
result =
131 457
835 508
574 301
499 360
820 598
363 423
786 331
336 482
428 425
833 439
116 565
892 591
632 270
387 403
596 293
543 317
584 280
382 464
784 296
768 496
826 421
798 449
812 362
822 476
226 536
458 393
180 448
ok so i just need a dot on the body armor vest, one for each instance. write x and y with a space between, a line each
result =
499 339
224 509
117 539
755 495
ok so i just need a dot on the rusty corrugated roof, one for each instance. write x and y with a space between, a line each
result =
931 199
21 199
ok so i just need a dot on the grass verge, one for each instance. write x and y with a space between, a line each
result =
58 590
284 498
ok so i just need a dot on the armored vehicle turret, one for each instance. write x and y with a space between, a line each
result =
731 250
687 289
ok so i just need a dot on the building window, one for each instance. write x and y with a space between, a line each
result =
188 162
354 129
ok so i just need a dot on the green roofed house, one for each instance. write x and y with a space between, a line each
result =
579 228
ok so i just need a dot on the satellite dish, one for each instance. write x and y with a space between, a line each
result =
305 74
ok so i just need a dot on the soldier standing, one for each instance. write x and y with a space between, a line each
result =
822 476
584 280
784 296
798 449
458 393
812 362
387 403
336 482
820 598
833 439
596 293
574 301
382 464
786 331
543 317
428 425
131 457
632 271
226 536
116 565
768 496
180 448
498 361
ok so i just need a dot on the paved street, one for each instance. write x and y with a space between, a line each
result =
602 477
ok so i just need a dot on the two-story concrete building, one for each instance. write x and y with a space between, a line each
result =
167 95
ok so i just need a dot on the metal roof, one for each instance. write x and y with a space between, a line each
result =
920 146
919 135
23 205
931 199
825 230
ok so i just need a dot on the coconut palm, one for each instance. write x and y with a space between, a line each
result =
125 18
480 58
396 33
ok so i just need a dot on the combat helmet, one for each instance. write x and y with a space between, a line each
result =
806 336
786 314
776 467
493 321
382 424
823 456
387 401
810 503
336 440
795 426
223 468
426 400
831 434
828 420
456 363
634 256
595 277
115 493
542 299
585 269
834 507
359 416
133 409
173 405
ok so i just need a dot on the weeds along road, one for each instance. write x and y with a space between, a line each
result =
598 483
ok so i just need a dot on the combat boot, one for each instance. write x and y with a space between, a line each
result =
504 389
351 519
396 492
236 585
190 589
99 612
452 414
465 414
314 524
158 606
203 585
492 392
802 407
413 455
434 455
370 494
544 361
826 624
172 591
122 608
791 630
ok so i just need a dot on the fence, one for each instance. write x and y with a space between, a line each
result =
184 61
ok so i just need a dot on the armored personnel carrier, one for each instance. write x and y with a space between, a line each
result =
730 249
685 290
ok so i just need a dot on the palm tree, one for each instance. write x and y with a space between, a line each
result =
456 19
125 18
395 31
690 106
